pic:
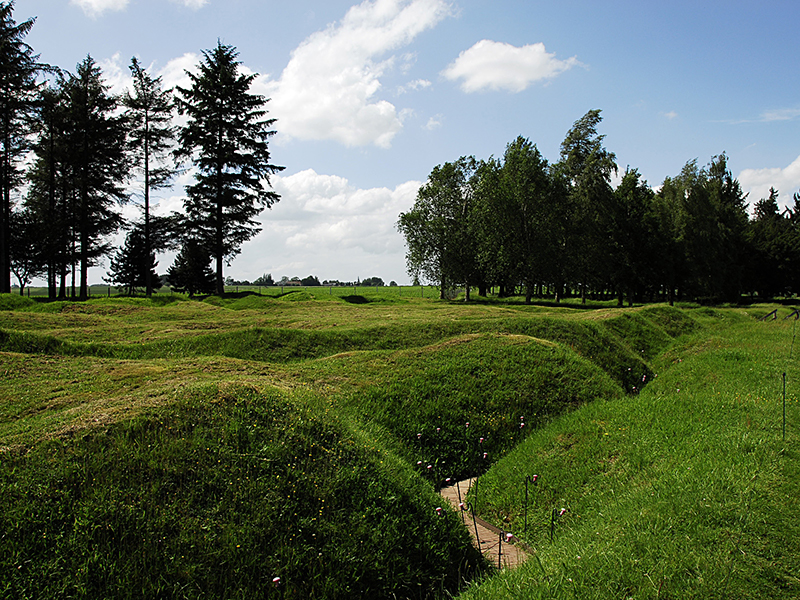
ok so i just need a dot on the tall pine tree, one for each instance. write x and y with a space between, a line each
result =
18 89
149 113
226 140
98 163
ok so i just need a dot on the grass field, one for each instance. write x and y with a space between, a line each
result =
174 448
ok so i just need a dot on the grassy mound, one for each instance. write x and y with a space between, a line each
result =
684 491
214 497
441 400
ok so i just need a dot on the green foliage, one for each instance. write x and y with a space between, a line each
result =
226 139
19 71
191 272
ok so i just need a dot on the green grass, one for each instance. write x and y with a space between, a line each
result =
684 491
171 448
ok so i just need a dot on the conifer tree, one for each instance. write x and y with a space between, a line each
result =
98 163
151 136
191 272
18 89
226 140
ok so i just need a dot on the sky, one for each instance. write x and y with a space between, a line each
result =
370 96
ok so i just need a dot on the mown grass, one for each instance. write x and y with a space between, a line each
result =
115 412
684 491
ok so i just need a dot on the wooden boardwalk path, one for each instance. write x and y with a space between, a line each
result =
490 540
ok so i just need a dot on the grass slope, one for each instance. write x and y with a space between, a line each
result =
684 491
184 449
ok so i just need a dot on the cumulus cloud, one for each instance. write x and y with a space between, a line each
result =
490 65
328 90
756 182
95 8
327 227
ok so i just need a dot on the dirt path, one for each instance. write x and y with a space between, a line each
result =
487 538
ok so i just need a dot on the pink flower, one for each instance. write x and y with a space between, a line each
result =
561 512
276 581
521 425
419 462
430 466
447 480
467 423
509 537
419 436
485 455
480 441
439 510
535 477
462 506
438 429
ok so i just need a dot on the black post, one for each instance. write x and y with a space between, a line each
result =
474 523
784 407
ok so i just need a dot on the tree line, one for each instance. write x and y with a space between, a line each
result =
70 151
560 229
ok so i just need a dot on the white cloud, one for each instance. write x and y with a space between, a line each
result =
756 182
781 114
326 227
117 76
95 8
193 4
490 65
414 86
328 90
434 123
671 115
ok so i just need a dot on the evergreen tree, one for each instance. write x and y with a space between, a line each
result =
133 265
50 195
226 139
191 272
18 89
98 163
149 114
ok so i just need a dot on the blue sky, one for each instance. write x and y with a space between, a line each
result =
371 96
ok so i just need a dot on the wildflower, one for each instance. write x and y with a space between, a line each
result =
561 512
430 467
485 454
509 537
480 441
276 581
419 436
419 462
521 425
467 424
447 480
462 506
535 477
438 429
439 510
